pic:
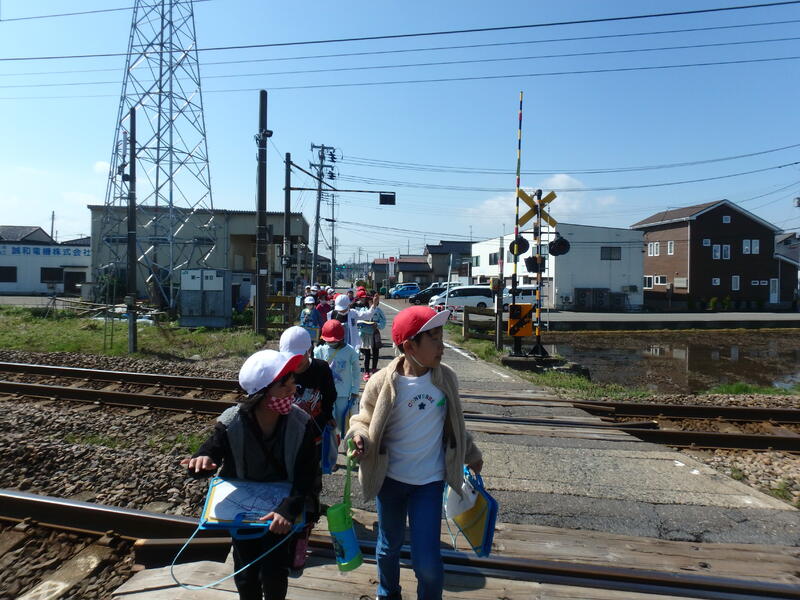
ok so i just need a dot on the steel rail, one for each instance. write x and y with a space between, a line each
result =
140 525
677 438
623 409
152 379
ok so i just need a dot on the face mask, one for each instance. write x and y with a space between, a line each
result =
341 317
282 406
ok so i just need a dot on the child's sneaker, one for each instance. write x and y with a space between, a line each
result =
365 376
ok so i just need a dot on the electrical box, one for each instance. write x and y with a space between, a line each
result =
205 298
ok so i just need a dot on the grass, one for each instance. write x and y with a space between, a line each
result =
575 385
746 388
782 492
27 329
184 443
737 474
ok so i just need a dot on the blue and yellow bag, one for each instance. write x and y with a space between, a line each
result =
477 524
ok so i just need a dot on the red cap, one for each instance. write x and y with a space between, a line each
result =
416 319
362 293
332 331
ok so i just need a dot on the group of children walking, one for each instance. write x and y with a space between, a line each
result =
409 436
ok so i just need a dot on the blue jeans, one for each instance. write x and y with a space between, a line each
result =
423 505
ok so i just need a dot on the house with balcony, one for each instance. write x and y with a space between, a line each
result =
716 254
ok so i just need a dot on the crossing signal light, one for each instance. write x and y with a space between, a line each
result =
386 198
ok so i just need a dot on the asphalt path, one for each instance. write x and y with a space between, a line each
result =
623 486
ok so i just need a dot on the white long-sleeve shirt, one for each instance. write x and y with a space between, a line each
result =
350 327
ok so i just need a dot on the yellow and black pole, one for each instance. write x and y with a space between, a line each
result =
517 348
538 350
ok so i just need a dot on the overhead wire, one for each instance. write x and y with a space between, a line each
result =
369 162
436 48
427 64
443 79
437 33
85 12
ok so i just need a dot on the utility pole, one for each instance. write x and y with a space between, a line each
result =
287 206
261 217
498 301
130 298
52 222
320 166
333 239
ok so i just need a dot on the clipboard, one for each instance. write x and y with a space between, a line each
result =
236 505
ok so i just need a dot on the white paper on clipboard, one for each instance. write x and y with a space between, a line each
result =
229 498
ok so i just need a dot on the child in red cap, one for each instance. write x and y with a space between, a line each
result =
411 439
344 364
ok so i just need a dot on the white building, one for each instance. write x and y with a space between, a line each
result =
33 263
602 271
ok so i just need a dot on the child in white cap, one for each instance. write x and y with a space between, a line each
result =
349 316
411 439
265 438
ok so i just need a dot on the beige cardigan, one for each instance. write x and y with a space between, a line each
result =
376 406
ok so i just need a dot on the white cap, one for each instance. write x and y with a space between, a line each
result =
295 340
309 300
265 367
342 302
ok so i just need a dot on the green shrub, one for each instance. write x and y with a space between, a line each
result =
712 304
726 303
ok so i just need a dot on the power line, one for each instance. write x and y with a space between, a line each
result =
434 48
432 64
436 33
369 162
595 189
83 12
442 79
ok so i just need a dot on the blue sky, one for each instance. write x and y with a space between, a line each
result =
54 151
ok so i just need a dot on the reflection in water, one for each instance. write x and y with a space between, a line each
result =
688 367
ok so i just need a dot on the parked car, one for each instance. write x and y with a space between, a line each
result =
466 295
404 290
423 296
526 294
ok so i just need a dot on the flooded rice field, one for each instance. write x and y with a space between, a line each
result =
683 361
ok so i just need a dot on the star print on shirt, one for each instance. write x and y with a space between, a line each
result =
421 406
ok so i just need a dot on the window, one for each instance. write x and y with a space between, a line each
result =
648 282
754 282
735 283
715 281
52 275
670 247
726 218
660 280
715 251
493 258
8 274
476 261
653 248
745 246
726 252
610 252
754 246
706 241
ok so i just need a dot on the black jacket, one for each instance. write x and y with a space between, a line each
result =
306 481
316 392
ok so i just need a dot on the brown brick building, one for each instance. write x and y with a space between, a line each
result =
715 250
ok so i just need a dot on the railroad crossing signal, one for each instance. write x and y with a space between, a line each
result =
534 208
520 320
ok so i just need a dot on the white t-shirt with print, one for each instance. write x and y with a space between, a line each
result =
413 434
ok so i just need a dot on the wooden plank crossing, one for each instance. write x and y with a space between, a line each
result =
778 564
322 580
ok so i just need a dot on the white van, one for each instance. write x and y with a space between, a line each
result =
526 294
466 295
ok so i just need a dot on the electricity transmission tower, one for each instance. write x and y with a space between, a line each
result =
175 226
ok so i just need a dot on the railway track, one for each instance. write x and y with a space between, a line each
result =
155 539
156 393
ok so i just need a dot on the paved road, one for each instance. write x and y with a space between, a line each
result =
624 486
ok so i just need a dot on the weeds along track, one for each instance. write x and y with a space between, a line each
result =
113 542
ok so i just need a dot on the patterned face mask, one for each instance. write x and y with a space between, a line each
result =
282 406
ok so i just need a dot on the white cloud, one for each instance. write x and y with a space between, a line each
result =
101 167
573 206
